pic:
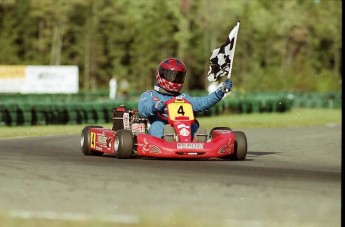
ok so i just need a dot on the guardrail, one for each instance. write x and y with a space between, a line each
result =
78 109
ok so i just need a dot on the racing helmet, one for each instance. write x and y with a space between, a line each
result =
171 74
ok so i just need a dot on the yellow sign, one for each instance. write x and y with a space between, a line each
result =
93 140
12 71
179 108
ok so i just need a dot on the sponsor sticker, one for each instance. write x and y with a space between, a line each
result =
138 128
184 132
93 140
190 145
103 140
126 121
182 126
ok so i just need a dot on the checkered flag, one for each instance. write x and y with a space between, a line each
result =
221 58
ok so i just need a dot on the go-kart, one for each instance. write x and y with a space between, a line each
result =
129 138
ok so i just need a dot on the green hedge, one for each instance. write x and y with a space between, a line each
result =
97 108
47 113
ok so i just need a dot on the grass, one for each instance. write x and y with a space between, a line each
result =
293 118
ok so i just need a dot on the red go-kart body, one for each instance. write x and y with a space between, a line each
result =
128 138
222 145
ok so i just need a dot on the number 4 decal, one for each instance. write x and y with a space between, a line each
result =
180 110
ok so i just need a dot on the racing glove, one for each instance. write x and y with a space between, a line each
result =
225 88
158 106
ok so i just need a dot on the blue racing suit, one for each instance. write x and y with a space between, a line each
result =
150 97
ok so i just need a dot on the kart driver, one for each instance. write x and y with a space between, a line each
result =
169 81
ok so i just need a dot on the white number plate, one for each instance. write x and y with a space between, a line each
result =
190 146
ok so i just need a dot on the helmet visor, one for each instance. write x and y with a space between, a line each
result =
172 75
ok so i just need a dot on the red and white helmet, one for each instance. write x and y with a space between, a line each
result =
171 74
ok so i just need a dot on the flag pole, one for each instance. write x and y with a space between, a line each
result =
233 52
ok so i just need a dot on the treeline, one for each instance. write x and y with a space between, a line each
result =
288 45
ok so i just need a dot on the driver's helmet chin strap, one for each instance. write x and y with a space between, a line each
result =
163 91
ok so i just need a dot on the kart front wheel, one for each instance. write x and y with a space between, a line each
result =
123 144
240 146
85 141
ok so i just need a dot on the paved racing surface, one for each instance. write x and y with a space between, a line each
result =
290 177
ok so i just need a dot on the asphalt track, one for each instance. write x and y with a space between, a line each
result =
291 177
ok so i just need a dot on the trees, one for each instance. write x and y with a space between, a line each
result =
282 45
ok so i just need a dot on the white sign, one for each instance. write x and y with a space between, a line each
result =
39 79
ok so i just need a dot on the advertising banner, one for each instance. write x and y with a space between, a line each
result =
39 79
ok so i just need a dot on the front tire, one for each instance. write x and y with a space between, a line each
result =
85 141
240 152
123 144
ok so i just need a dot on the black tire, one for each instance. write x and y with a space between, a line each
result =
85 141
123 144
240 146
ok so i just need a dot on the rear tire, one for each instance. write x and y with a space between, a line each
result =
123 144
240 146
85 141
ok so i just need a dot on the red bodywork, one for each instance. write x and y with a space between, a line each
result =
102 140
146 145
221 145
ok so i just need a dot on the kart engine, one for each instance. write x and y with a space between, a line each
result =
124 118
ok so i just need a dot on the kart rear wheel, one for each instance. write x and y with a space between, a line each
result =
123 143
85 141
240 146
